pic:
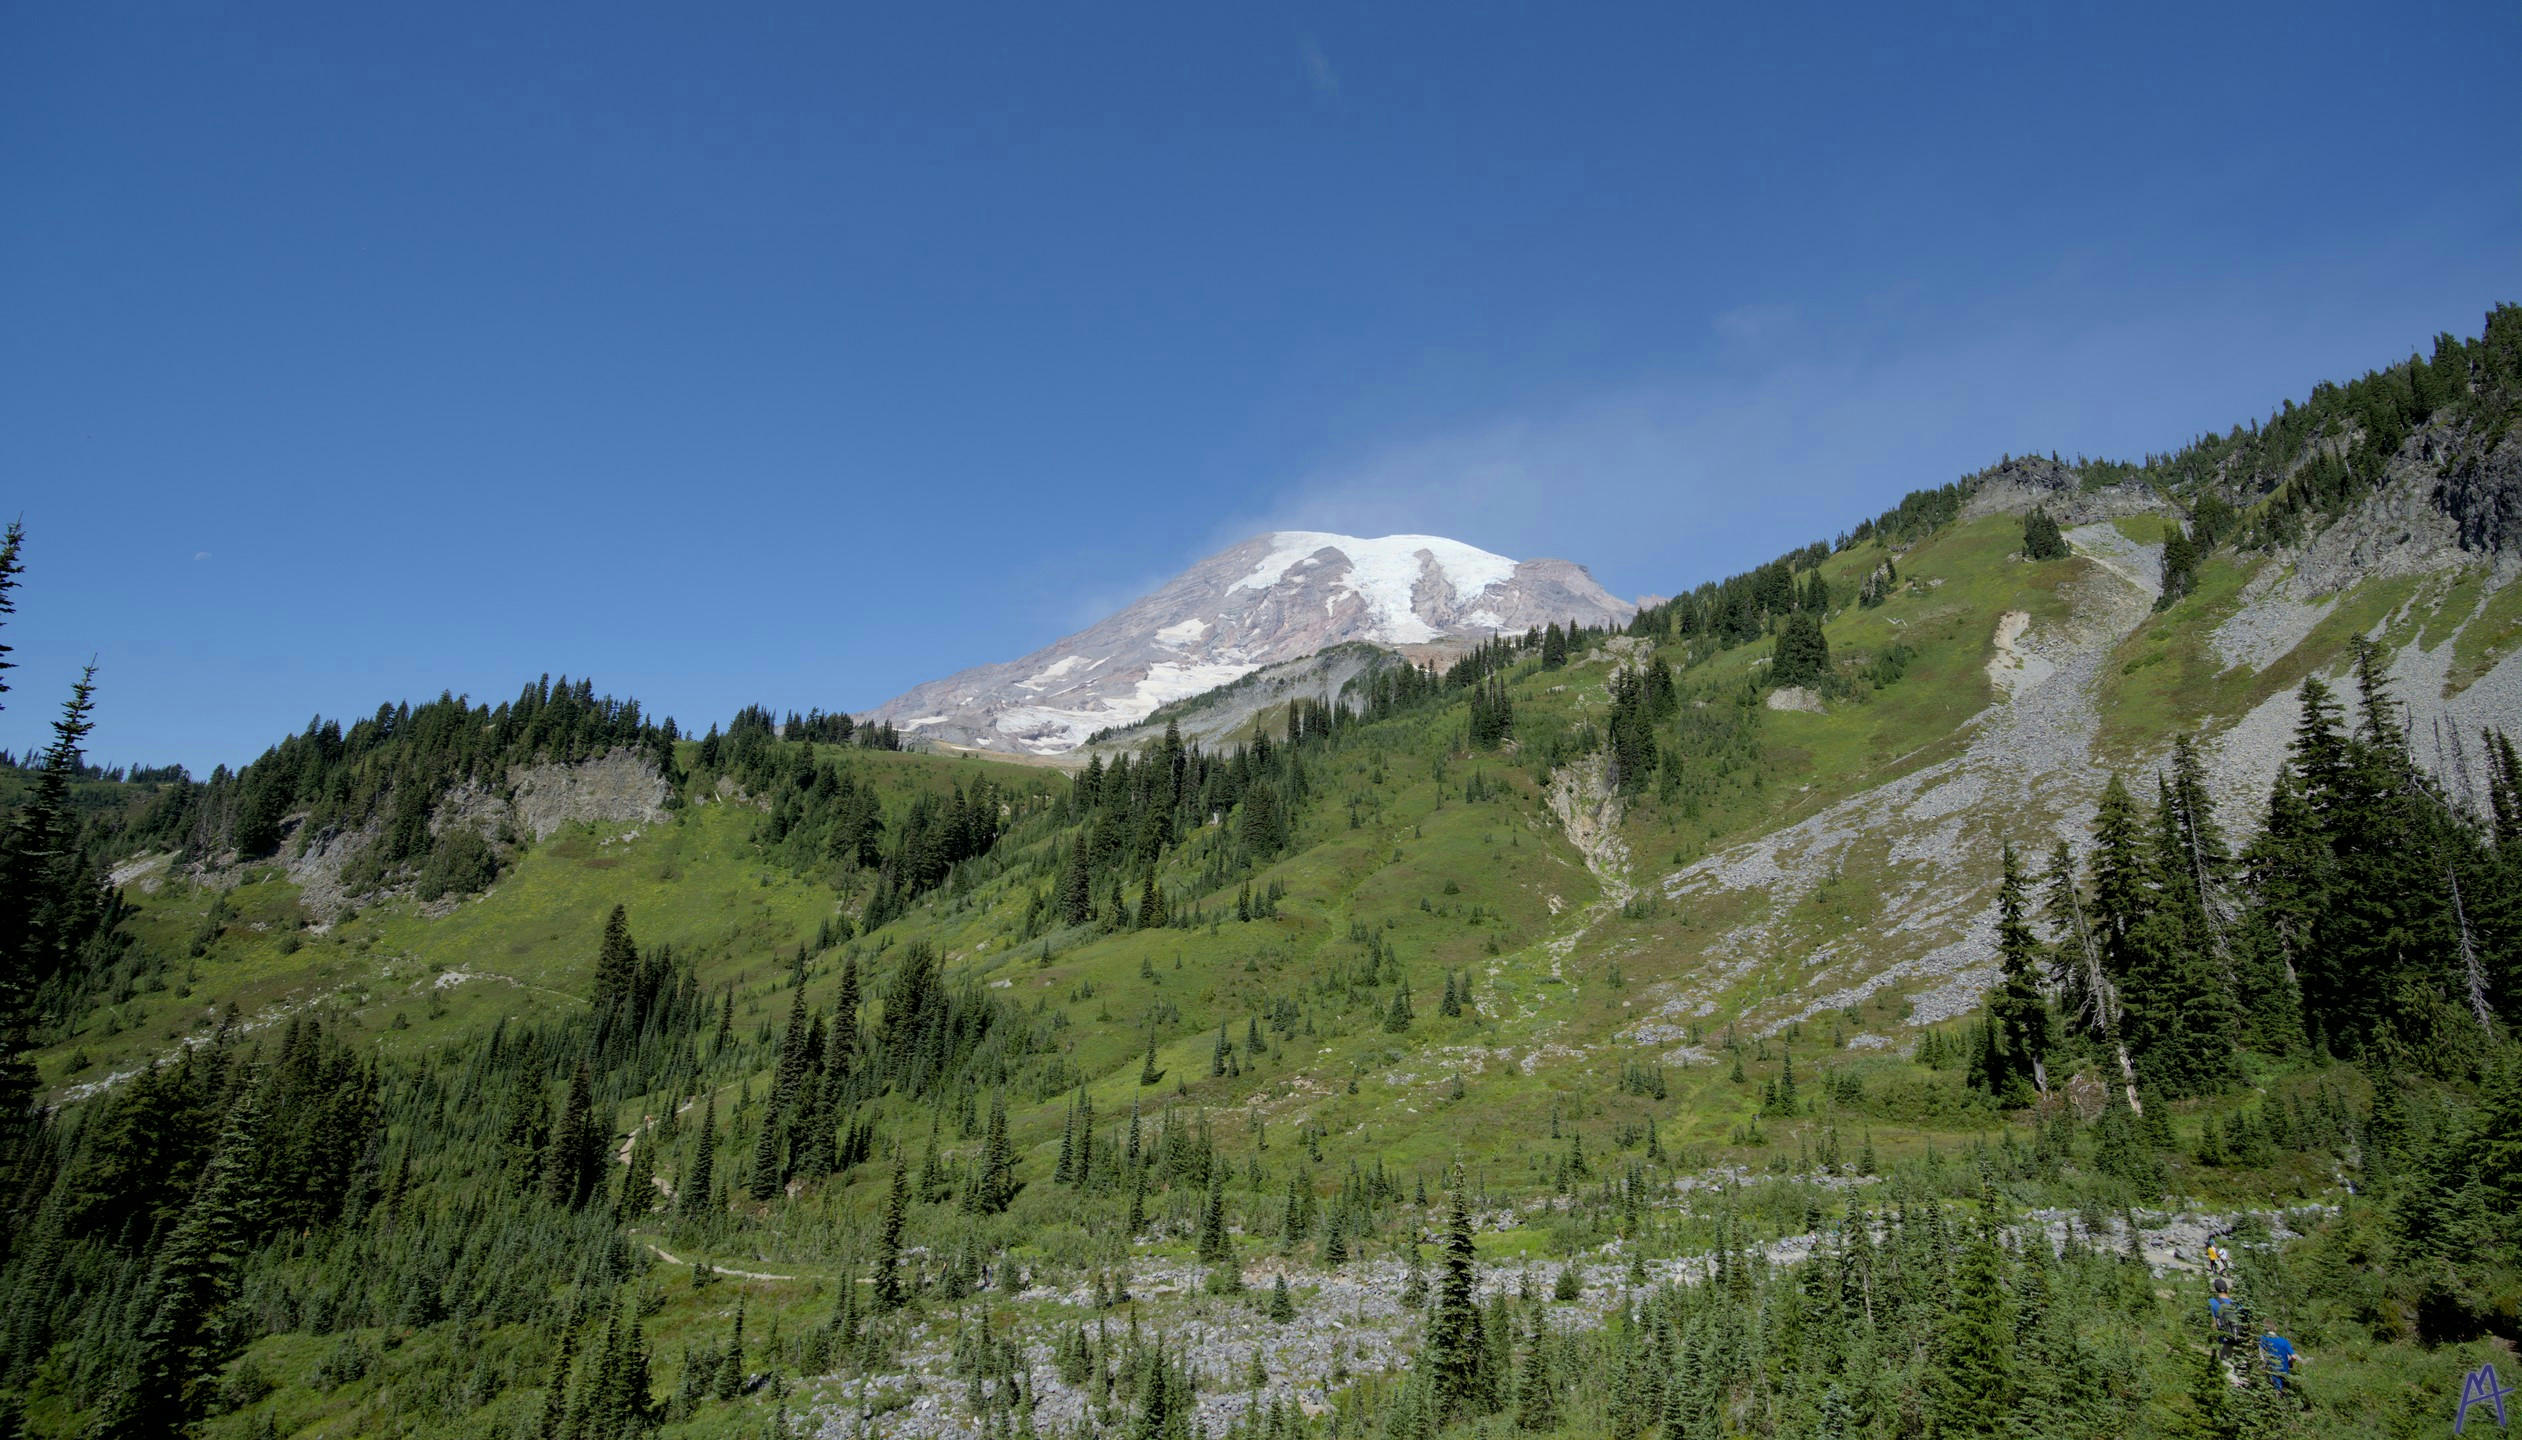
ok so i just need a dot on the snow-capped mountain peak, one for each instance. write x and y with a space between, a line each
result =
1388 573
1273 598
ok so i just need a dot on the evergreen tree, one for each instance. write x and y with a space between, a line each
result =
810 1123
695 1199
2181 555
620 1401
996 1186
12 566
616 962
1536 1403
890 1292
1631 734
1262 828
729 1382
2389 950
2181 1018
576 1169
1076 893
1971 1383
2118 876
2016 1037
797 1047
49 899
2088 994
2041 538
183 1340
2211 1403
1802 656
554 1424
1457 1349
1214 1246
845 1008
2285 872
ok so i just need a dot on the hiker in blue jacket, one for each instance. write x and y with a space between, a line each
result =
2224 1313
2281 1356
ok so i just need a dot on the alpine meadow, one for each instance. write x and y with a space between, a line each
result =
2043 962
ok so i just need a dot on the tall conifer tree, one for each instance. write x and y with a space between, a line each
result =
1457 1347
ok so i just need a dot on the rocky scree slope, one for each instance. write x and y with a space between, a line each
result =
2034 760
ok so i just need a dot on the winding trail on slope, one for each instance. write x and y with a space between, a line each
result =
661 1253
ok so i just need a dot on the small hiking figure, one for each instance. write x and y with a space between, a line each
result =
2219 1261
2223 1311
2227 1321
2281 1356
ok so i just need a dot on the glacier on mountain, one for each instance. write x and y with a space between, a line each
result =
1274 598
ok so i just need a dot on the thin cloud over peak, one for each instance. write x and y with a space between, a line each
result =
1318 71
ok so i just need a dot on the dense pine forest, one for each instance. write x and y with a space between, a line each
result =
1333 1080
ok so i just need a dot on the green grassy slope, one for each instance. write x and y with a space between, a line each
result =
1389 846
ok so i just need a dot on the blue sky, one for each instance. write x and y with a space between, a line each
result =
799 355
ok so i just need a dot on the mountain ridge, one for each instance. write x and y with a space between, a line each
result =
1275 597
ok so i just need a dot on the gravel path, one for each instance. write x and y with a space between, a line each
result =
661 1254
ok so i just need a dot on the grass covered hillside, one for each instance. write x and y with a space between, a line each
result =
1847 1001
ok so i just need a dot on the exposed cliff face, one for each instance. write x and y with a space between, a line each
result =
618 788
2481 492
621 788
1272 599
2449 497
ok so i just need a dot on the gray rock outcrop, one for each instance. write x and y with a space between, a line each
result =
621 787
2017 485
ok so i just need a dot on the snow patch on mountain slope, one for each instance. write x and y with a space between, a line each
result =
1051 672
1179 682
1055 727
1386 573
1268 601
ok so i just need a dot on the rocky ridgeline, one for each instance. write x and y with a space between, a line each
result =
621 787
2015 486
